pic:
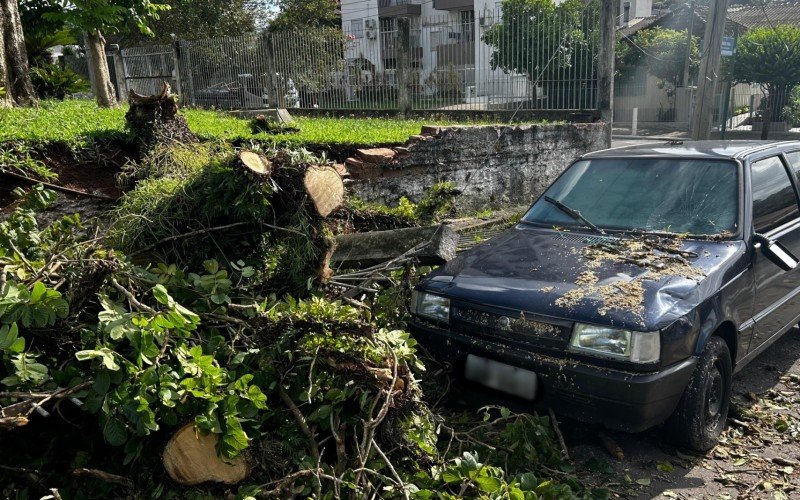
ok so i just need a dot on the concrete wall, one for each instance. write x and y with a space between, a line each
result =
493 165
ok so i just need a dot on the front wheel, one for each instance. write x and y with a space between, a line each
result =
700 417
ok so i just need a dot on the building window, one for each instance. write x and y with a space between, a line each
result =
357 28
467 25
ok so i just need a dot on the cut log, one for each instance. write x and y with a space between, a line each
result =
325 188
190 458
254 165
367 249
376 156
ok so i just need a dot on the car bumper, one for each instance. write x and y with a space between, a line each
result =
617 399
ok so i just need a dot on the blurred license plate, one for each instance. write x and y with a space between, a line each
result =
502 377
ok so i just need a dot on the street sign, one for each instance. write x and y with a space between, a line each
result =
728 46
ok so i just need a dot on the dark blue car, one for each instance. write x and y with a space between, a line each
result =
633 289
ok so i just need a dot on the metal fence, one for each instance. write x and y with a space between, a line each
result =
527 59
146 68
649 103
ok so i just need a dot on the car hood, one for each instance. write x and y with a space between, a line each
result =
531 270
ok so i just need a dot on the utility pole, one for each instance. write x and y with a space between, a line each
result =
605 66
709 70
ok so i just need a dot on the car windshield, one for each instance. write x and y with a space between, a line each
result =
698 197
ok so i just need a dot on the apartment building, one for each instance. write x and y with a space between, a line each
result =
445 40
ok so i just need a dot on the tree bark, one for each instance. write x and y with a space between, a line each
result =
17 70
101 77
5 85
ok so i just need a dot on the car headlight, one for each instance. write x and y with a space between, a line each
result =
639 347
431 306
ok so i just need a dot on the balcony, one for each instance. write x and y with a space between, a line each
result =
454 4
399 8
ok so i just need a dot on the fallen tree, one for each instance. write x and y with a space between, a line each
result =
163 349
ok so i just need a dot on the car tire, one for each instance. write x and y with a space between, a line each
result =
700 417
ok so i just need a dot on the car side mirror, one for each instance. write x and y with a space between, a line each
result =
777 253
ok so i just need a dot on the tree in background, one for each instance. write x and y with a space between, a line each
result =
15 75
43 30
192 20
295 14
92 18
543 40
662 52
771 58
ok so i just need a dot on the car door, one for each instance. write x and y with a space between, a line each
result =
776 216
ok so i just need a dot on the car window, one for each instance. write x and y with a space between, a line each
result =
794 161
774 201
694 196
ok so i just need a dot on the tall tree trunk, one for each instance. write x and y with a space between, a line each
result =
98 65
5 84
17 69
766 117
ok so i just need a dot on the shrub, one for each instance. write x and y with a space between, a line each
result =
53 81
792 110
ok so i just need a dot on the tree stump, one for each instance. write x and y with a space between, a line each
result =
190 458
154 119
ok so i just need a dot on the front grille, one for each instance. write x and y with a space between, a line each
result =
514 328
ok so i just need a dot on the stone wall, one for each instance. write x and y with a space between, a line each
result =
493 165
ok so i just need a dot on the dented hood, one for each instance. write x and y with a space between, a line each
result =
528 269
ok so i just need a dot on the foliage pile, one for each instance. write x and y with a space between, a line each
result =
321 398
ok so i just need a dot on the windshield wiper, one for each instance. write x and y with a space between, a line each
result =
574 214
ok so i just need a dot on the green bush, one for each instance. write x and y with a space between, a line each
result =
53 81
792 110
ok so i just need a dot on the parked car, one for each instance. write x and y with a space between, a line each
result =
632 289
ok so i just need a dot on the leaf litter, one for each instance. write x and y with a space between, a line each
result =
660 257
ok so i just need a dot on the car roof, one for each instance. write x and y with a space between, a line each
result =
690 149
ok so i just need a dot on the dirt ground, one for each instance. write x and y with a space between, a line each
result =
762 429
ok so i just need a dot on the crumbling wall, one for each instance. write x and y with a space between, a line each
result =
493 165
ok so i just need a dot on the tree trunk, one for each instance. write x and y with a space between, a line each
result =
766 117
98 63
17 70
5 85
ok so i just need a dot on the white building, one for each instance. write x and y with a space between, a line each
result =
632 11
445 39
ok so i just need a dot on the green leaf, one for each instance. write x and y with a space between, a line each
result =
8 336
37 292
665 466
234 440
102 382
161 295
115 433
451 477
105 355
488 484
645 481
257 397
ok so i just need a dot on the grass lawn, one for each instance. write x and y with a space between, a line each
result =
71 121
